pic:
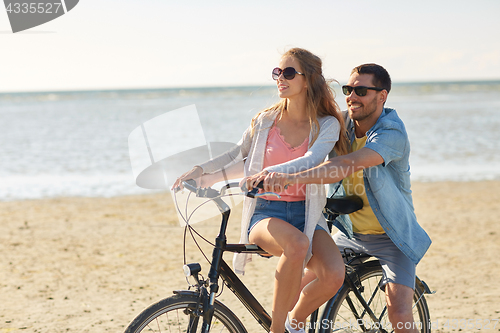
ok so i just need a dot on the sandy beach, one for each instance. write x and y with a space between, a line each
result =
92 264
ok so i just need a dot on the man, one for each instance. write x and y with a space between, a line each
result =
377 170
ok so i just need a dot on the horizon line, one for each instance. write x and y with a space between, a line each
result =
396 83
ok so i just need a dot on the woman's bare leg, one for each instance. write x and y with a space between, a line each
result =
282 239
328 266
307 277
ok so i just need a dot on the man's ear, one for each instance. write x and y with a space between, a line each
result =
383 96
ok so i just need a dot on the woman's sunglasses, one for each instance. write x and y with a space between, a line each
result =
288 73
360 90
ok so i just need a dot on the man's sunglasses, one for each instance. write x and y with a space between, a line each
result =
288 73
360 90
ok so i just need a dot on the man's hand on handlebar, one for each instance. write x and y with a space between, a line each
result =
251 182
273 181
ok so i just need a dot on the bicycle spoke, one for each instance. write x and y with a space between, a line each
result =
193 323
347 314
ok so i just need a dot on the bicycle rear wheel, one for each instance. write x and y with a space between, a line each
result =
339 315
177 314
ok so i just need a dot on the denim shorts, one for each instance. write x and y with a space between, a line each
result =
396 266
293 212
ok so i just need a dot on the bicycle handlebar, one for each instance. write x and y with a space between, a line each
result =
209 192
254 191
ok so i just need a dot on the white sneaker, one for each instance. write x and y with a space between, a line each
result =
289 328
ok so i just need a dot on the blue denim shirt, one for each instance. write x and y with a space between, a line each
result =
388 185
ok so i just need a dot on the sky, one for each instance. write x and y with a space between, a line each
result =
135 44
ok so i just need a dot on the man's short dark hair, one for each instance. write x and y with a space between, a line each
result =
381 77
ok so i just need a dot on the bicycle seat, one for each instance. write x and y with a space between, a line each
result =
344 205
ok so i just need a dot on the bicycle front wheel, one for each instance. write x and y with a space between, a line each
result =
181 313
346 314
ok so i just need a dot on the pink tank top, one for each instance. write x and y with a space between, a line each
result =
279 151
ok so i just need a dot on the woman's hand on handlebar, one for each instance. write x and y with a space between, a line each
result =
195 173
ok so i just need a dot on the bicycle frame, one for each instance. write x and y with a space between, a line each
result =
219 268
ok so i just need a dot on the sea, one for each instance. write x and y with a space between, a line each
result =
76 143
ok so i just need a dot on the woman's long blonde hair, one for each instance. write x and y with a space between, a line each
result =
320 97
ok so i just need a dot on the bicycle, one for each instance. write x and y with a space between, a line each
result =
198 310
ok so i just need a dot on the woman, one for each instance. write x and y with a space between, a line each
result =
295 134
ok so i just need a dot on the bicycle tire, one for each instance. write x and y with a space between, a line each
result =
338 316
173 314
